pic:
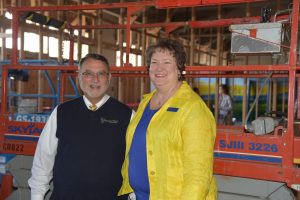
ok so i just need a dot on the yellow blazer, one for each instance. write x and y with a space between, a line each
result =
180 142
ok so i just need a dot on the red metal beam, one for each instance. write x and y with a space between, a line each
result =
71 53
219 68
4 91
223 22
297 149
62 82
82 7
163 24
158 4
103 26
298 99
228 22
247 170
15 25
43 67
131 75
188 68
193 3
128 34
218 2
203 74
136 69
289 136
133 26
192 24
239 68
247 75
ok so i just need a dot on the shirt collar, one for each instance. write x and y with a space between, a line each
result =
99 104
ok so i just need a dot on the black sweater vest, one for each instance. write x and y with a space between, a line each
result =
91 149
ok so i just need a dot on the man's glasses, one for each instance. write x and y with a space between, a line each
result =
91 75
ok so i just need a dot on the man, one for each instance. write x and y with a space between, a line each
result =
82 145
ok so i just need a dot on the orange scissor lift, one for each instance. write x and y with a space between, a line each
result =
247 166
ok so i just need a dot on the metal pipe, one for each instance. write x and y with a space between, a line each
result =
274 95
52 89
279 12
71 53
74 86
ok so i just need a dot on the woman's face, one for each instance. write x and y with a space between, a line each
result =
221 90
163 69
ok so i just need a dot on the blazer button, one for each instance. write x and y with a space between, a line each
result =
150 152
152 172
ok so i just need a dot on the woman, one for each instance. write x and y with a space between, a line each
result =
170 140
225 106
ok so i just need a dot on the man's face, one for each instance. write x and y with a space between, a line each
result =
94 79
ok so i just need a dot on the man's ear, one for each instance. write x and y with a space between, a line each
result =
109 78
